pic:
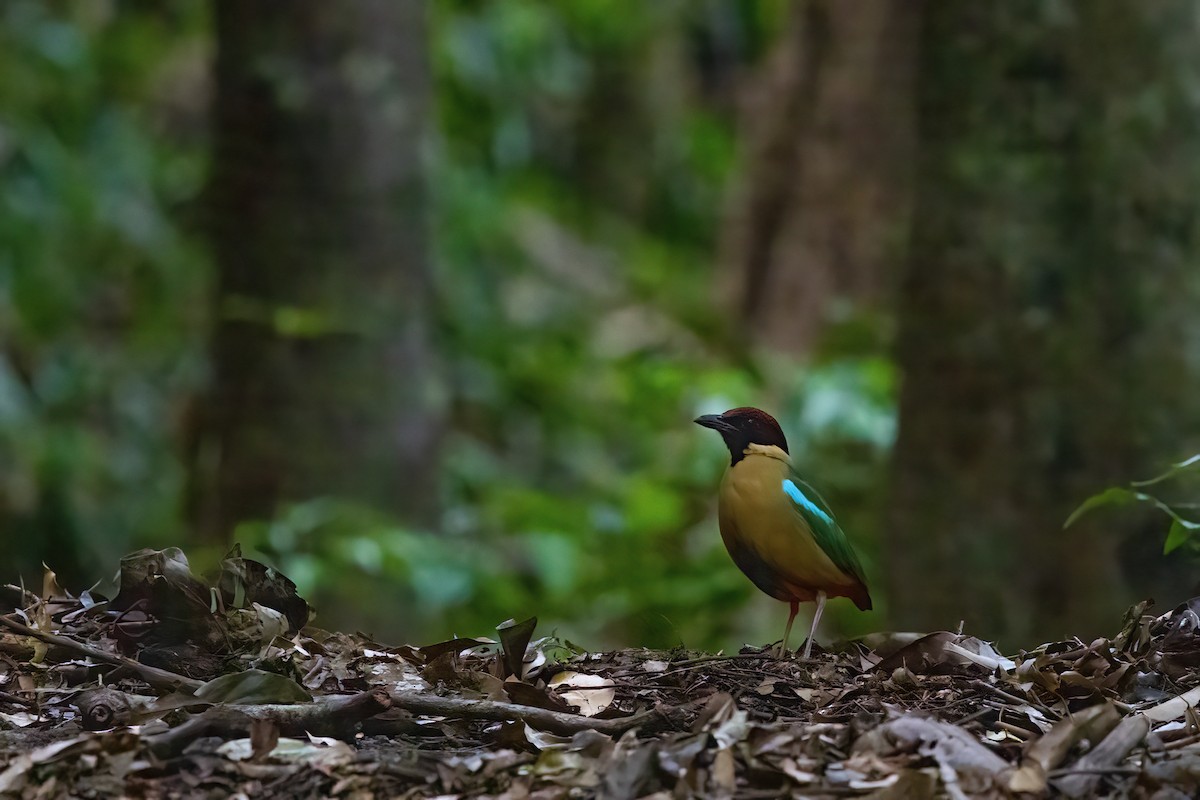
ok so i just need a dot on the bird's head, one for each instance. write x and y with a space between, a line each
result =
742 427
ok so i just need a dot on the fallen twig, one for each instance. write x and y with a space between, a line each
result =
159 678
1021 733
998 692
1058 773
688 663
335 716
540 718
25 598
21 701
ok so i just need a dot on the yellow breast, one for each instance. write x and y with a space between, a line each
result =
767 539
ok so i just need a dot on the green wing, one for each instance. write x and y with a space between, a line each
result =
815 512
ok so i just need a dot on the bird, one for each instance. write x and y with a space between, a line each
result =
777 528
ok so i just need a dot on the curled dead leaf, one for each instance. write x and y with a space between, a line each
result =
591 693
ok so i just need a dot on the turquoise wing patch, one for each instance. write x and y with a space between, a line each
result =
800 499
815 513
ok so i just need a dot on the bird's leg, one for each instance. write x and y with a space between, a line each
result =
816 621
788 630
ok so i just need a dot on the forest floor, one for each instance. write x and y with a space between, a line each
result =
178 688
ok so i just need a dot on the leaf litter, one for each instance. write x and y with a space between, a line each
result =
179 686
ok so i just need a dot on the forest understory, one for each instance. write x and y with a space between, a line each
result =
180 687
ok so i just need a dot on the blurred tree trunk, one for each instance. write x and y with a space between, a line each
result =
1044 316
824 203
323 377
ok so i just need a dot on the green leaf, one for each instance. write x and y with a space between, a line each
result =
1187 465
253 686
1170 512
1181 529
1114 496
1178 536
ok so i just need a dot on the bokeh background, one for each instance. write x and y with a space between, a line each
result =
417 301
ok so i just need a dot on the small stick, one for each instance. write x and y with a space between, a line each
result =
1058 773
553 721
688 663
1015 730
28 598
21 701
328 716
159 678
998 692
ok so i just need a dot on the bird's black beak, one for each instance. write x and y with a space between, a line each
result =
715 422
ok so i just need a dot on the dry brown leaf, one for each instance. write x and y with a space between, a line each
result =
1174 708
591 693
1048 751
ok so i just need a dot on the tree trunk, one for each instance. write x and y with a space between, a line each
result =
823 207
323 379
1043 317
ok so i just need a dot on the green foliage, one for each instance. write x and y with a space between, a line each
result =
580 168
1182 529
617 544
102 288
